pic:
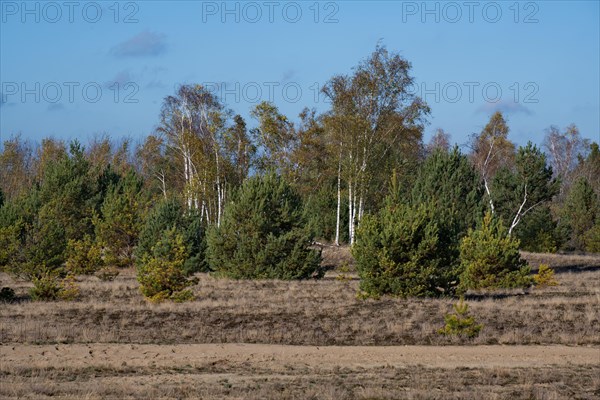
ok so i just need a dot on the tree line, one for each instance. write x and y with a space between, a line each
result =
205 192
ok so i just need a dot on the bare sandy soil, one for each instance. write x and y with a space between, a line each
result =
278 356
243 371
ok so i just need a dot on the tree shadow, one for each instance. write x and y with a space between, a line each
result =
494 296
576 268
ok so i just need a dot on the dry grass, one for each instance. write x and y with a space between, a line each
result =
324 312
221 381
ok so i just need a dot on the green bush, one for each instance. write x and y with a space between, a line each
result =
490 258
538 232
545 276
169 214
50 286
161 275
320 213
400 251
592 238
68 288
83 257
460 323
45 287
263 234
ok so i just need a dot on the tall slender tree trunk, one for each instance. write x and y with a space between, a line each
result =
188 178
350 213
360 208
219 195
489 193
339 200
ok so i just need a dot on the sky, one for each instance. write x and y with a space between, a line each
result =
80 69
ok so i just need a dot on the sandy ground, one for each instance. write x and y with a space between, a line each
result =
274 356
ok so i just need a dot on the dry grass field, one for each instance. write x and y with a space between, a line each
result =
304 340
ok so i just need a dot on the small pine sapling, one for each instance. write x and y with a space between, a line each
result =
460 323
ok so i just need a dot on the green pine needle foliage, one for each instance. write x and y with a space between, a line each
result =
460 323
491 259
170 214
399 252
545 277
161 275
263 234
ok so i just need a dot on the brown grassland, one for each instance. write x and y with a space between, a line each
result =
304 340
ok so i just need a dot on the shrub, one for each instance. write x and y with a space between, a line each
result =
263 234
320 213
460 323
545 276
169 214
401 251
539 232
161 275
491 259
68 289
83 257
343 272
45 287
592 237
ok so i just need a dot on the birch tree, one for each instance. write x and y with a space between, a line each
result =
193 122
154 165
240 150
374 108
16 161
275 138
439 141
564 150
491 150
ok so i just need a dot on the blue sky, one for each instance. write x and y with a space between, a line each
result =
73 70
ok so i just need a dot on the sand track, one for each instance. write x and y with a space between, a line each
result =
274 356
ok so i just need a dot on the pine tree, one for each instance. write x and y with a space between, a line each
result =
400 252
169 214
580 212
490 258
263 234
539 232
448 180
118 228
161 273
67 193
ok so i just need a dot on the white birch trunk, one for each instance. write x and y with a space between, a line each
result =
350 214
487 190
339 202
